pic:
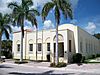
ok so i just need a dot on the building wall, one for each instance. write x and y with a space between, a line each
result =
89 44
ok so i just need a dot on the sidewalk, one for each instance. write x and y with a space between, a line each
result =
86 68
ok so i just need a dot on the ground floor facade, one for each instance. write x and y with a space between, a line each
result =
41 45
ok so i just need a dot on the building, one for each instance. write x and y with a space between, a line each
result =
72 39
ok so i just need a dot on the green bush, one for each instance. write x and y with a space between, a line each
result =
5 53
60 64
97 55
77 58
92 57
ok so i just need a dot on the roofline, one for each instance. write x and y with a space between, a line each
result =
27 30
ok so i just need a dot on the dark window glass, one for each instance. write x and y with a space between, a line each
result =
69 45
39 46
18 47
30 47
48 46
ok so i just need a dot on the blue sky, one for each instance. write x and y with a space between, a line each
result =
86 15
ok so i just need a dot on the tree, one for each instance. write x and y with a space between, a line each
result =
6 48
4 26
57 5
19 14
97 35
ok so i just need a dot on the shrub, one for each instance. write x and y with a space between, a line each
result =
77 58
5 53
97 55
60 64
92 57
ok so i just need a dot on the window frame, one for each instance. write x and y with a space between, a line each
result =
39 47
48 46
30 47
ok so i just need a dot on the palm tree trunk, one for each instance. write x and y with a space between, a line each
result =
21 50
36 42
0 46
56 53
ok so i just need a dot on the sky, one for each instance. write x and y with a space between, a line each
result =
86 15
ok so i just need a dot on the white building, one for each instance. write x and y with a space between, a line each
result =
72 39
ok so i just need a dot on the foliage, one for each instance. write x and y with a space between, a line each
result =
57 6
92 57
4 26
6 45
60 64
77 58
7 54
97 55
97 35
20 13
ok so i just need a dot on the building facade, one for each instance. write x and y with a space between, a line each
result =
71 39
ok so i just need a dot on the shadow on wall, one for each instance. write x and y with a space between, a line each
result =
44 73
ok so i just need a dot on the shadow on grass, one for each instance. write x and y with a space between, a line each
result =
3 66
44 73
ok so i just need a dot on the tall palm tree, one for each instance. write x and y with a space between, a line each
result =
57 5
20 13
4 26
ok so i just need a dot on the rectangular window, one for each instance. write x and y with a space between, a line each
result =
48 46
30 47
69 45
18 47
39 46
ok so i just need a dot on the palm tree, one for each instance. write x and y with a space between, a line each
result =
57 5
20 13
4 26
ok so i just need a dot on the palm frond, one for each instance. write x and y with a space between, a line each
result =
47 7
13 5
34 11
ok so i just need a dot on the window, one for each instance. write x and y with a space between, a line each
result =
69 45
48 46
30 47
18 47
39 46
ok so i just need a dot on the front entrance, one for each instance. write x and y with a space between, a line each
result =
60 49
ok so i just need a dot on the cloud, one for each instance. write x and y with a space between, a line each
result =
91 27
74 21
3 6
74 3
48 24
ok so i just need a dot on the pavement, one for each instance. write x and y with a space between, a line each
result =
42 68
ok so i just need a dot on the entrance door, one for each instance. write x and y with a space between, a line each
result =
60 49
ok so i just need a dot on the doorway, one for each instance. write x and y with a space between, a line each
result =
60 49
